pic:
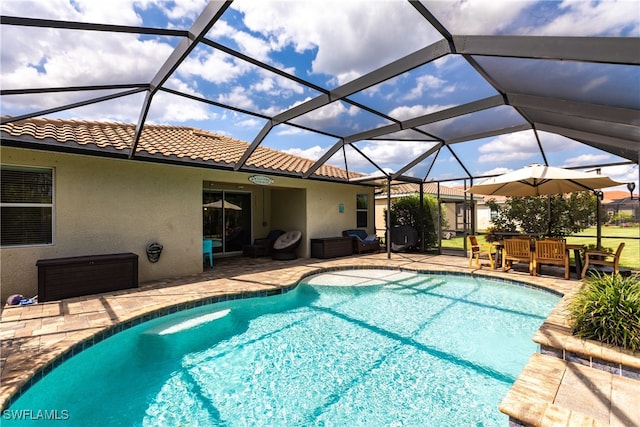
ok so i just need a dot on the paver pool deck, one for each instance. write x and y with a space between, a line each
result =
563 386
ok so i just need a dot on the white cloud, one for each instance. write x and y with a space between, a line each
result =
177 9
566 18
337 30
249 123
586 159
238 97
327 115
214 66
407 112
477 16
426 83
496 171
275 85
43 58
313 153
394 154
589 18
168 108
508 147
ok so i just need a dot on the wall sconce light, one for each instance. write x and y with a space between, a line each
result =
153 252
341 208
631 186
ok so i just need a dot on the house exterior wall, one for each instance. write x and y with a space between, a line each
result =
448 207
106 206
450 213
380 209
483 213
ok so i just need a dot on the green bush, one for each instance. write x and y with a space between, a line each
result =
406 211
607 309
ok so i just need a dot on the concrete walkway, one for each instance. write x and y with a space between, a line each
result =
43 335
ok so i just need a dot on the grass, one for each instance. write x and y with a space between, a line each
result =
612 236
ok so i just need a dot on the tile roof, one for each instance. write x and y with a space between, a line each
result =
429 188
616 195
177 143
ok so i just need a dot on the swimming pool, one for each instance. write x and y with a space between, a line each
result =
383 347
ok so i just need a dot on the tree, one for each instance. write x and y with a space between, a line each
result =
406 211
557 215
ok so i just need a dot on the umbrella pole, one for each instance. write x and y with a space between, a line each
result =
598 222
549 216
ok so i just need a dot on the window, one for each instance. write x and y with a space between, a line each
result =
494 214
362 210
26 202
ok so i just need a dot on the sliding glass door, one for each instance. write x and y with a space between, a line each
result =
226 219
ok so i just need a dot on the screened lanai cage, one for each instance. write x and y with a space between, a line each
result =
446 92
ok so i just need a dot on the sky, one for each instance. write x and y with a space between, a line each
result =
326 43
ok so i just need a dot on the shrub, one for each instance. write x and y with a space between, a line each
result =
406 211
607 309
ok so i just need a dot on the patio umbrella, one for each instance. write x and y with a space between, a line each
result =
218 205
536 180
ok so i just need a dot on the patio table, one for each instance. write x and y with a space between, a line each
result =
499 244
576 248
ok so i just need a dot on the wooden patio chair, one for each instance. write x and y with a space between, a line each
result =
594 257
475 252
517 250
551 251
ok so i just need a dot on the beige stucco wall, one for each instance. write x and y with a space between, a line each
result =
323 209
106 205
484 217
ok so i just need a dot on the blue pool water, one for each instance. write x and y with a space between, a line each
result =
348 348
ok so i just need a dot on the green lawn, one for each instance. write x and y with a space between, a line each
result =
612 236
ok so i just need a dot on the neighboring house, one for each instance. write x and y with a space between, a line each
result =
484 214
620 202
69 189
451 199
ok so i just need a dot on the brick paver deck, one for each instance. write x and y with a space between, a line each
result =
35 336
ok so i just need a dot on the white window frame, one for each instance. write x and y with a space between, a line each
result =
37 205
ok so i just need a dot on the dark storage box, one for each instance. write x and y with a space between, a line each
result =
85 275
331 247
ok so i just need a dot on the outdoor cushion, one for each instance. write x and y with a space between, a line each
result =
287 239
358 234
362 242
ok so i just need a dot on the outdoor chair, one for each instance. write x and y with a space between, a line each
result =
475 252
284 248
601 258
262 246
207 251
551 251
517 250
362 242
